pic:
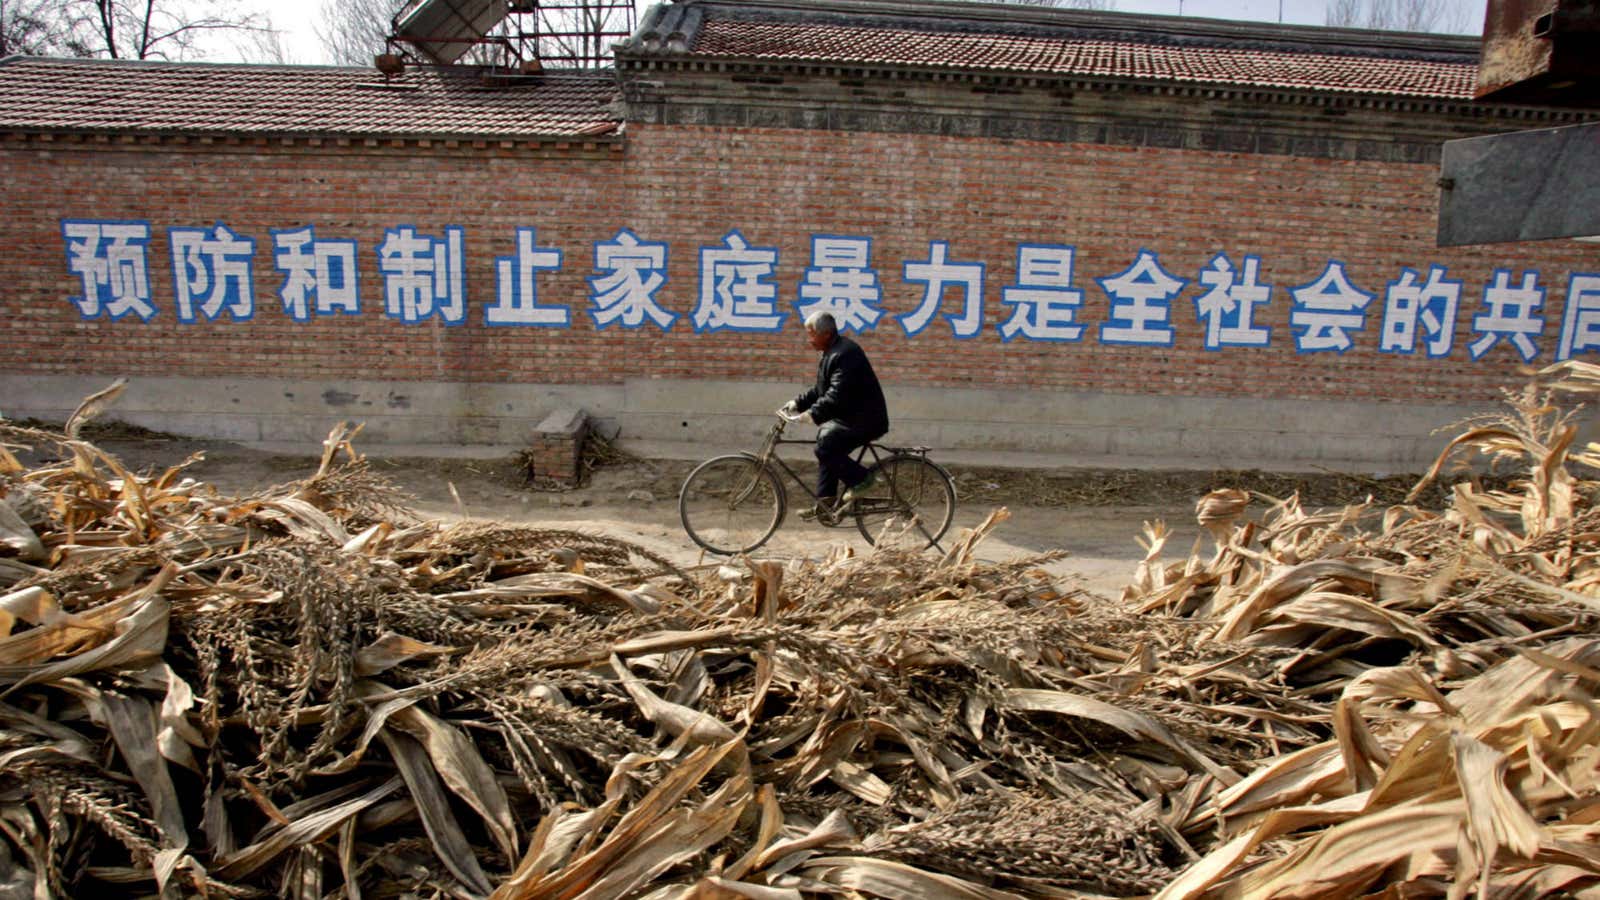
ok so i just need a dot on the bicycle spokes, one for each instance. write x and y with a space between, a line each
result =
733 504
912 494
730 504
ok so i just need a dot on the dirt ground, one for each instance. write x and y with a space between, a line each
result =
1095 515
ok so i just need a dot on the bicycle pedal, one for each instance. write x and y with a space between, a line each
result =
818 513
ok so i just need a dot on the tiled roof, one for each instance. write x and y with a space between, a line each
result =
1011 39
195 98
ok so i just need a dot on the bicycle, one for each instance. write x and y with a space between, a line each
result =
734 503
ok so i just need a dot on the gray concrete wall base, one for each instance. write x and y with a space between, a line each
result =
264 410
1208 432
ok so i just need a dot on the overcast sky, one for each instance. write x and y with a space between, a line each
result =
1290 12
298 18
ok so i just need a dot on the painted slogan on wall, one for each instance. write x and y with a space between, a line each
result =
424 279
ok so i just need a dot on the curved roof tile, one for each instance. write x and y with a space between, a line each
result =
198 98
1001 39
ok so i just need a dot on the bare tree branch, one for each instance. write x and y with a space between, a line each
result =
1399 15
352 32
144 32
1065 4
25 27
188 28
108 25
119 29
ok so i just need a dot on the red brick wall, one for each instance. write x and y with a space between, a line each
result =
688 186
984 197
347 192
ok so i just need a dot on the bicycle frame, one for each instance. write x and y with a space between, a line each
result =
904 484
768 457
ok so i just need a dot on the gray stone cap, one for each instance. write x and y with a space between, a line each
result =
568 421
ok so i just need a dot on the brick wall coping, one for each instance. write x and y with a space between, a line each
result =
567 421
1022 42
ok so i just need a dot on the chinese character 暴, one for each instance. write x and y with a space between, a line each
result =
840 281
1045 304
736 290
1326 310
937 274
1580 326
1511 313
631 272
424 276
319 277
109 259
211 271
1227 308
516 295
1431 306
1141 303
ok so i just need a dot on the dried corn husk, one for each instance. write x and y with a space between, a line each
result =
309 692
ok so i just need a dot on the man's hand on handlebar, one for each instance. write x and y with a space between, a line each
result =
788 412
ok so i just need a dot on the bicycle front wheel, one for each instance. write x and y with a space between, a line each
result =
910 493
731 504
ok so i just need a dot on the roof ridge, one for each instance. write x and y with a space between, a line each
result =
175 63
941 15
452 71
993 41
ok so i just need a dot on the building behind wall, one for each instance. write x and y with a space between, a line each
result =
1052 230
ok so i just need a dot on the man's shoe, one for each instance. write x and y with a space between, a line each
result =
824 505
851 495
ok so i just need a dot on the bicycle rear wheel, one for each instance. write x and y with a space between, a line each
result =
731 504
911 493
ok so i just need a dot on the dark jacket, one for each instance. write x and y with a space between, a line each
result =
847 391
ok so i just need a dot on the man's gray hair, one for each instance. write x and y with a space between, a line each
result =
822 323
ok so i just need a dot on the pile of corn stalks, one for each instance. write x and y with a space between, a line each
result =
1437 673
307 693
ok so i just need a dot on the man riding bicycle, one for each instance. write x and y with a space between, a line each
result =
847 402
733 503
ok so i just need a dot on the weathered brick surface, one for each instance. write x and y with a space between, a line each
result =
689 185
556 448
352 191
984 197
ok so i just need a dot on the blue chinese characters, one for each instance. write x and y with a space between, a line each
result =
424 279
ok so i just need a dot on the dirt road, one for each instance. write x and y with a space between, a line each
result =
637 500
1095 515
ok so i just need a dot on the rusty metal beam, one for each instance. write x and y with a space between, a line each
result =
1541 51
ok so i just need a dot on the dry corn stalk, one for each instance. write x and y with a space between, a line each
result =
307 693
307 690
1451 655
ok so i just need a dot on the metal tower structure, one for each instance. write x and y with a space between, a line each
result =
529 35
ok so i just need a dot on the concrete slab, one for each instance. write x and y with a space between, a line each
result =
701 418
392 451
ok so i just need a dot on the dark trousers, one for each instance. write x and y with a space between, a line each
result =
835 442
